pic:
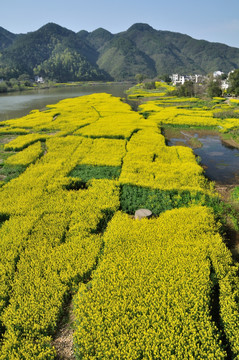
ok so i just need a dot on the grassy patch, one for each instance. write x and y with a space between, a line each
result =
9 172
226 114
235 194
231 135
192 127
87 172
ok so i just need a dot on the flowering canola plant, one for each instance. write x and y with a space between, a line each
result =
149 162
52 239
27 156
151 295
172 111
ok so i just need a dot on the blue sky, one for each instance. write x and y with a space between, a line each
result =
212 20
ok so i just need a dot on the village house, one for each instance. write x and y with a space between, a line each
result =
217 73
39 79
180 79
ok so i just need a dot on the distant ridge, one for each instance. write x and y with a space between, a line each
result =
61 54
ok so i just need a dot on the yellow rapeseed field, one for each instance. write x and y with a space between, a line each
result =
143 289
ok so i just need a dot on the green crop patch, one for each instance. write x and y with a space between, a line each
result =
158 201
88 172
133 197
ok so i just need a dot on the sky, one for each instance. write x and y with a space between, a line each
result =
212 20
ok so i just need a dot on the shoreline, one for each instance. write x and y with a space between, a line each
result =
64 85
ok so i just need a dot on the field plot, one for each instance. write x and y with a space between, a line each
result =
190 112
162 288
154 295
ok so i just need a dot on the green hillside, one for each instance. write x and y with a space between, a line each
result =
6 38
123 60
51 51
61 54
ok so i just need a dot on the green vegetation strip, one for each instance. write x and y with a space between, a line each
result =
134 197
158 201
88 172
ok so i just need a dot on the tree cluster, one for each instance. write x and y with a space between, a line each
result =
234 82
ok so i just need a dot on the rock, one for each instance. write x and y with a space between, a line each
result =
142 213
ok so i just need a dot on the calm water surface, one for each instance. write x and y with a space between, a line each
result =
15 105
221 162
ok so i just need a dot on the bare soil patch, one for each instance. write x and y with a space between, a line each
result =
7 138
63 341
225 191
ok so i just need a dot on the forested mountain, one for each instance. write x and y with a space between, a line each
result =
6 38
53 52
58 53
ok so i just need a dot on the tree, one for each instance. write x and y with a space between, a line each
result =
214 88
150 85
166 78
24 77
223 76
187 89
3 87
234 82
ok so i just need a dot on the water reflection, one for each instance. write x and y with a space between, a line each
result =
220 161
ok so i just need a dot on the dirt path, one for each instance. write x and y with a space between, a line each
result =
63 342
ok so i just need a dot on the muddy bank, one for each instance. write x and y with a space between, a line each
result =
230 142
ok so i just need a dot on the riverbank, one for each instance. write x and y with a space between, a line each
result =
17 104
188 138
5 89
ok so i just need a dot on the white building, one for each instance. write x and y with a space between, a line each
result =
39 80
224 85
217 73
174 78
180 79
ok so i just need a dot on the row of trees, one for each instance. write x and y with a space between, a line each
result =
212 88
16 84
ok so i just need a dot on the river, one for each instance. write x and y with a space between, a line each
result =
18 104
220 161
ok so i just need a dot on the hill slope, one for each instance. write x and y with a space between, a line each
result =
51 51
58 53
6 38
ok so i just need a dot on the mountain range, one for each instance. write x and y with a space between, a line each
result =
61 54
